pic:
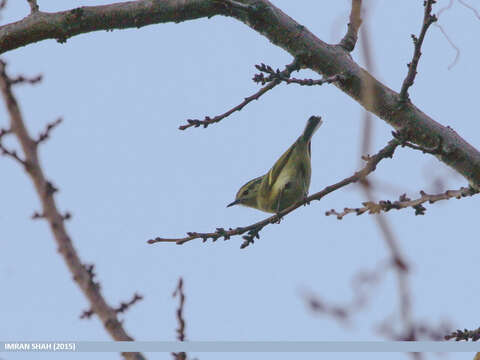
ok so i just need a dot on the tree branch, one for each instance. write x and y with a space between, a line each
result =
180 319
11 153
466 335
83 275
404 202
271 84
350 39
33 5
283 76
181 302
428 19
362 283
45 134
254 229
132 14
280 29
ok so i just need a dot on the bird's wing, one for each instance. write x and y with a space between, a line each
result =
278 166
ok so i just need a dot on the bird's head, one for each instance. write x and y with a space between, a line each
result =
247 195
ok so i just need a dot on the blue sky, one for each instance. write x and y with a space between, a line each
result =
127 174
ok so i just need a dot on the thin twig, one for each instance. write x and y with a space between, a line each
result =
465 334
312 82
403 135
181 302
447 7
362 283
22 79
281 76
180 319
452 44
12 154
254 229
208 120
33 5
403 202
124 306
475 11
350 39
428 19
444 33
45 134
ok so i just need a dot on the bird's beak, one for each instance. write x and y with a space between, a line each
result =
234 203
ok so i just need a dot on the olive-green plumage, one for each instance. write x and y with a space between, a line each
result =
288 180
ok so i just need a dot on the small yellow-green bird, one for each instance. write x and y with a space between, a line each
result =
288 180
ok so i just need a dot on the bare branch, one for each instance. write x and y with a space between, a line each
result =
312 82
33 6
452 44
45 134
281 76
87 314
350 39
272 83
82 275
181 302
12 154
180 319
404 202
21 79
475 11
254 229
362 284
208 120
466 335
124 306
36 215
428 19
447 7
403 135
417 331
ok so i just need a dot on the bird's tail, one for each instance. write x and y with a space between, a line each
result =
312 125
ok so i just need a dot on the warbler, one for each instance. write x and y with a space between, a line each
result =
288 180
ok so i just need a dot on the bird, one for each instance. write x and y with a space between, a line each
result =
287 182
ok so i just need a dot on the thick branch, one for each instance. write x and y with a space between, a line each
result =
82 275
133 14
280 29
254 229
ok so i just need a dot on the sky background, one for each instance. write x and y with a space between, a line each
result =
127 174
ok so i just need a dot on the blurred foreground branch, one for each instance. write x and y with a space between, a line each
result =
83 275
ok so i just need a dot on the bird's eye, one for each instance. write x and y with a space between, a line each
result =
245 193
